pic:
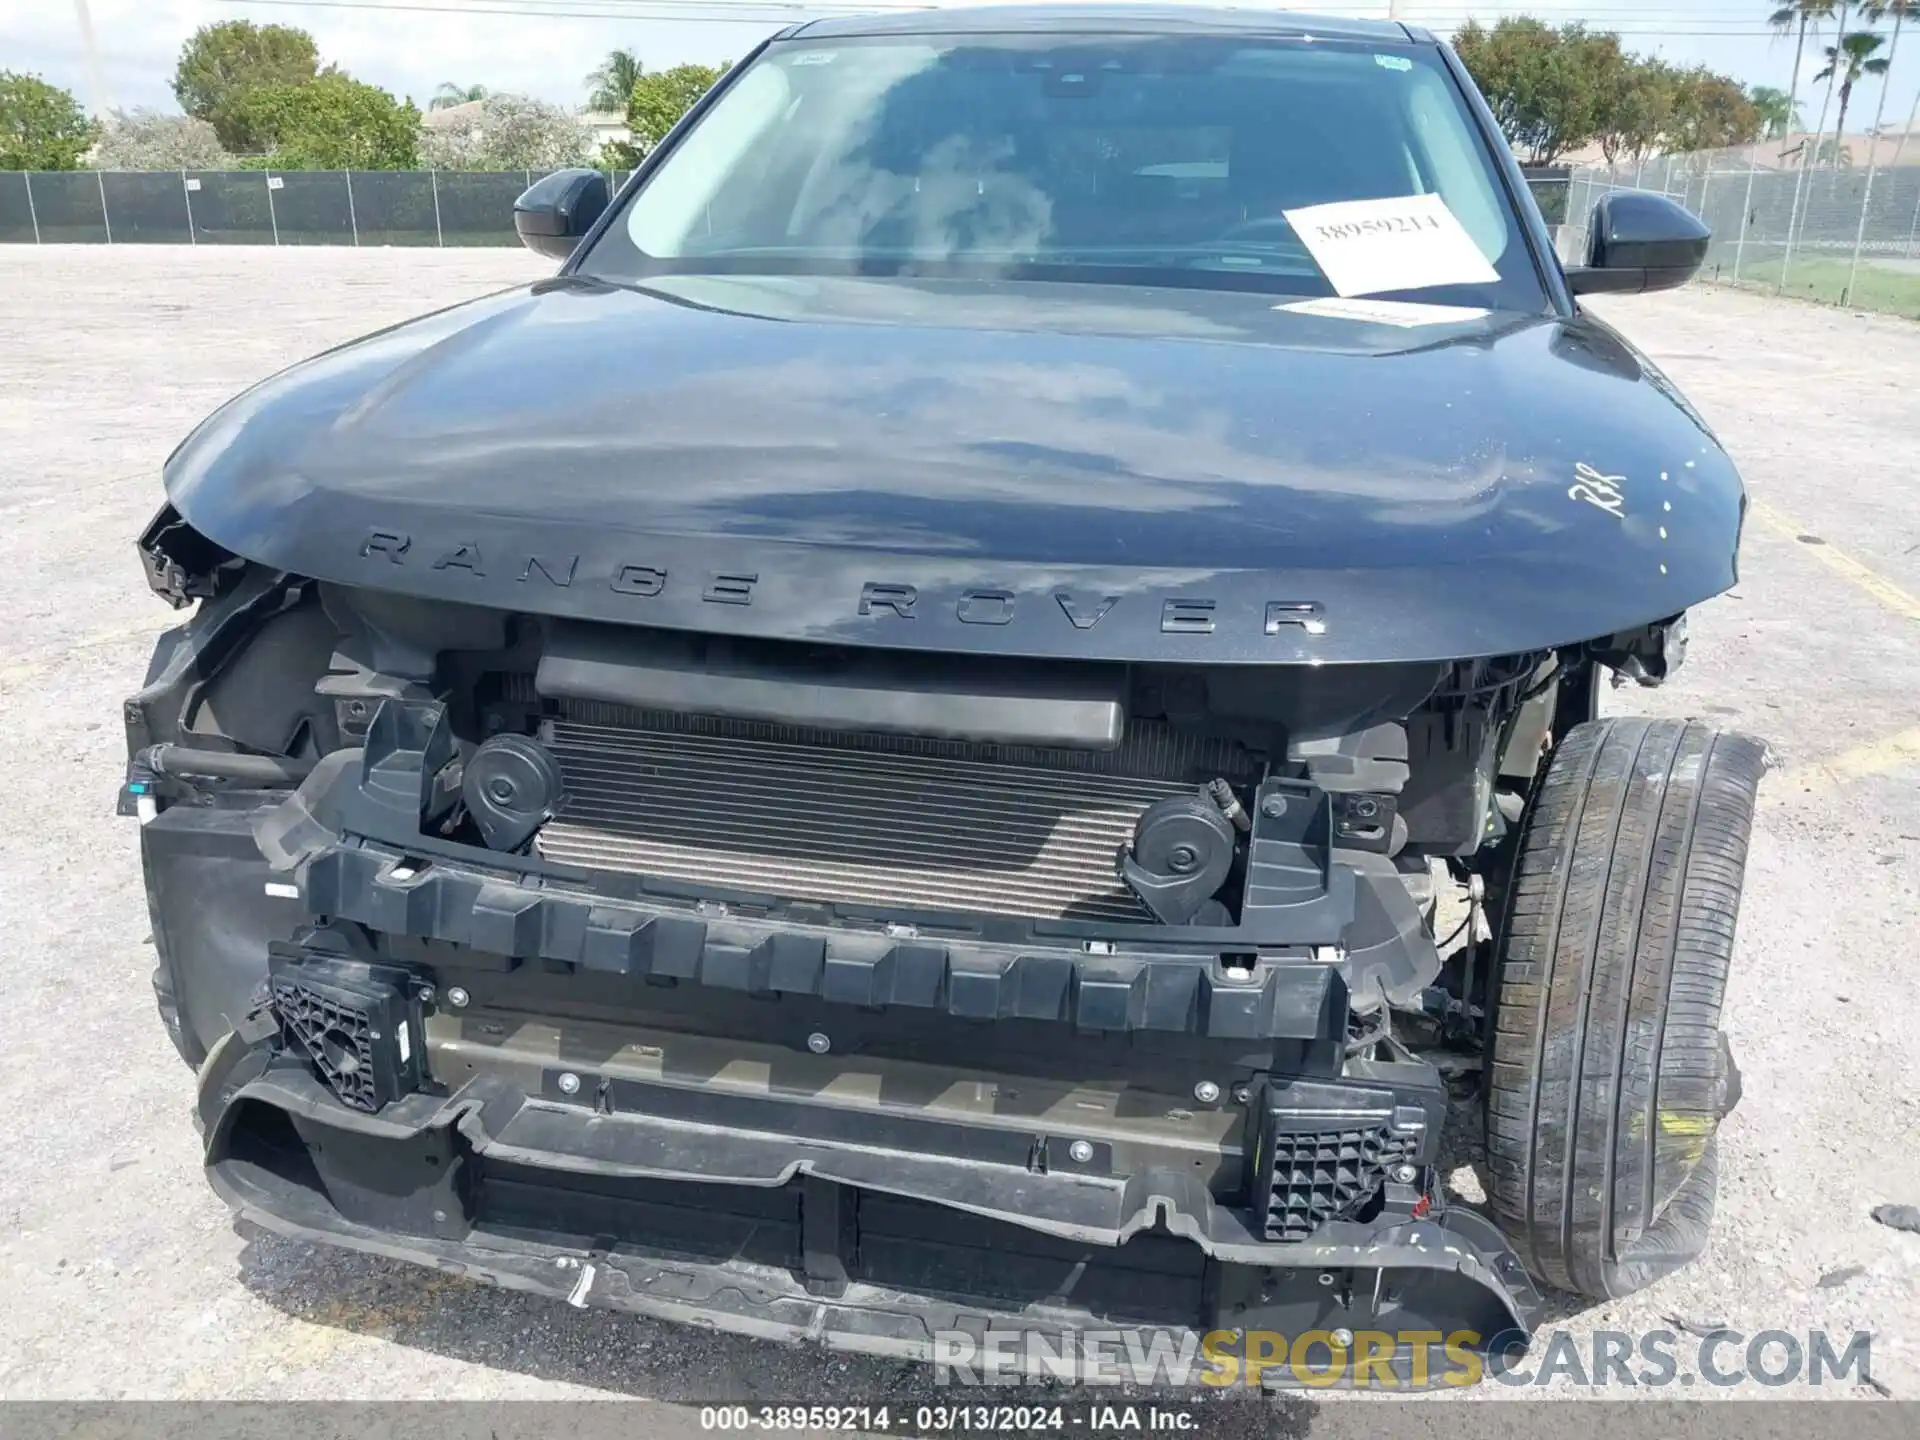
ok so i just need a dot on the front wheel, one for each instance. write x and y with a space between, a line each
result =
1609 1075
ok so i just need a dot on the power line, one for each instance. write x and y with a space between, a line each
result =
1612 11
777 12
767 15
804 7
705 12
1606 13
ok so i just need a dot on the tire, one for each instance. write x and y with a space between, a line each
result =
1609 1075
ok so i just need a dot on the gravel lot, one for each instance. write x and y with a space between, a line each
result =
129 1279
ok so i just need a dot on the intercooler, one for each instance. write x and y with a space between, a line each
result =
865 820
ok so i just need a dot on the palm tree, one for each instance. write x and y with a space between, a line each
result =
612 84
1879 10
1852 58
1799 16
1830 74
1779 116
450 95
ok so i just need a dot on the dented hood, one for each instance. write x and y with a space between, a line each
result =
1063 471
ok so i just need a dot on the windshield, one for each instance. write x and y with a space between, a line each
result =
1153 161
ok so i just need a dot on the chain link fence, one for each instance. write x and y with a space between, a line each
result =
1839 235
314 207
256 207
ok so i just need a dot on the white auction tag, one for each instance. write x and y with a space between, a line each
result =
1366 246
1404 313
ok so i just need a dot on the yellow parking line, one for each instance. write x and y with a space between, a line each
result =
1899 601
1863 762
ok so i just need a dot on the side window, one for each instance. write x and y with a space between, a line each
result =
679 197
737 207
1458 172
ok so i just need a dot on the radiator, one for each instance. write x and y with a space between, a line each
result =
862 820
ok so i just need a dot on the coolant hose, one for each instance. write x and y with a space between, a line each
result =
182 761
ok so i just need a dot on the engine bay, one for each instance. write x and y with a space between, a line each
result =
1222 813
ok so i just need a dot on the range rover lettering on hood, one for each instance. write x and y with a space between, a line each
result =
1274 493
1179 614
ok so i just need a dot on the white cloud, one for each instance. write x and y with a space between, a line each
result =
408 52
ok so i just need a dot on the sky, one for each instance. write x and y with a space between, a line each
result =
546 47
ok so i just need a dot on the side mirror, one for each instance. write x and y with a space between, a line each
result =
1637 241
553 213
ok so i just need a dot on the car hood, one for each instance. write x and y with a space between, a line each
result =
1066 471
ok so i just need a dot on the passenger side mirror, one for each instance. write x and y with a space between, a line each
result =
553 213
1637 241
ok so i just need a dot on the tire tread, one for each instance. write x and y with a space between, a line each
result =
1605 1072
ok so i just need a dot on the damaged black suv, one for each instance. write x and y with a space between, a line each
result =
983 708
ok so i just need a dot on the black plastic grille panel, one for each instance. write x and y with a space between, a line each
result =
336 1038
1316 1176
357 1024
969 978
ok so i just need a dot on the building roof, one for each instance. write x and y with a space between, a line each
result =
1787 152
1105 19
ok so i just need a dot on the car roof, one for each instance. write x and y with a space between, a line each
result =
1106 19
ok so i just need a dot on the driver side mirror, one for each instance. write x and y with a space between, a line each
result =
1637 241
553 213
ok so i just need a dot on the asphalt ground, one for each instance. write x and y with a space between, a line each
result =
122 1276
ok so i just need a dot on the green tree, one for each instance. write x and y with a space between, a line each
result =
1710 112
1638 111
660 99
146 140
450 95
1850 60
42 127
1880 10
1547 88
222 65
510 132
610 87
335 122
1831 73
1799 16
1779 116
